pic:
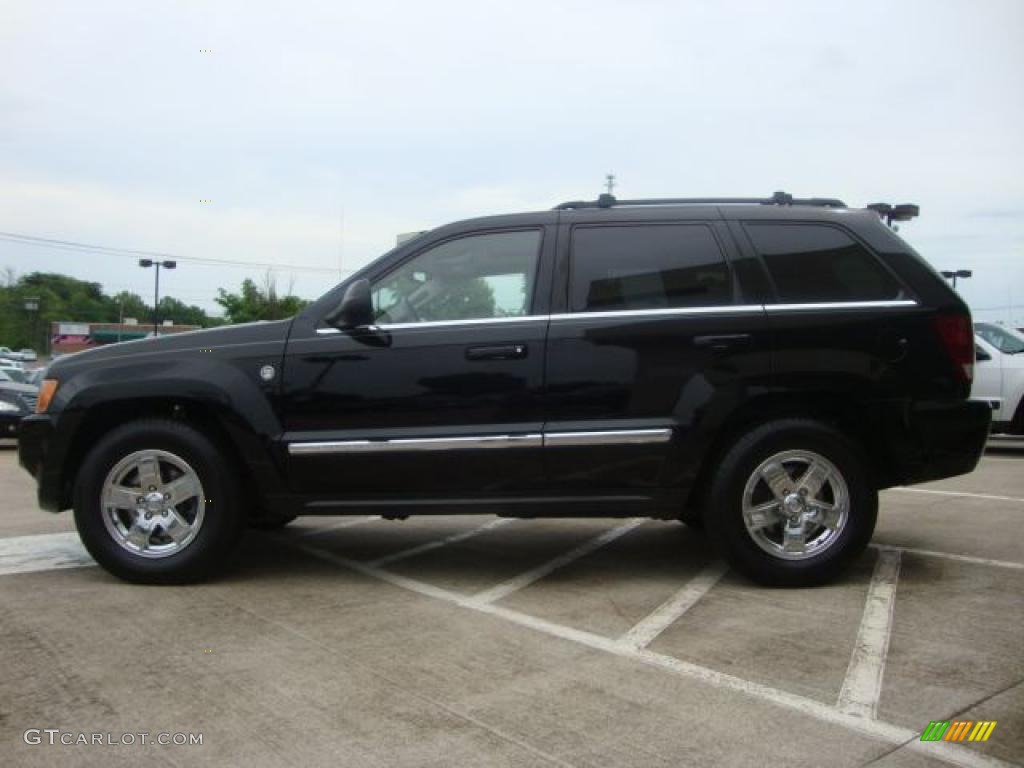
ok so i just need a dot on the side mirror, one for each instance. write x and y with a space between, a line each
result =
355 310
981 354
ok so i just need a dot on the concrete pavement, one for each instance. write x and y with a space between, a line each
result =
343 642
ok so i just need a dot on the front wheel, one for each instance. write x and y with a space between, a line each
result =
792 503
155 503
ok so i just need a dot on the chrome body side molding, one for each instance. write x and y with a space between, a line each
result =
476 442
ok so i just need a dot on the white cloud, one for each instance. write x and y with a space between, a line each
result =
405 115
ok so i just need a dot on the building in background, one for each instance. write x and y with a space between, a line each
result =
68 337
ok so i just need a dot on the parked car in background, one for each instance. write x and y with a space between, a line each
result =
7 362
9 354
14 373
16 402
1006 340
35 376
29 355
999 376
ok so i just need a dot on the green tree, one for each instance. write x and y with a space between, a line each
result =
63 298
258 303
465 299
180 313
128 304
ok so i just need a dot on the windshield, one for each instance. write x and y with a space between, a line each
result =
1003 339
14 374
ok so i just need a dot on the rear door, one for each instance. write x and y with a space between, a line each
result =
651 343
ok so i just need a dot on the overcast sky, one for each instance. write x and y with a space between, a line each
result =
321 130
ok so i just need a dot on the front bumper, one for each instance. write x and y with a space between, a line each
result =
9 424
37 456
940 439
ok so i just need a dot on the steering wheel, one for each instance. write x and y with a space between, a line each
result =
407 309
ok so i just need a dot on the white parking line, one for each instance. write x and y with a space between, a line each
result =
863 684
666 614
958 493
42 552
438 543
952 556
892 734
348 523
516 583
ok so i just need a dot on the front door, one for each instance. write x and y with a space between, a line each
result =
442 396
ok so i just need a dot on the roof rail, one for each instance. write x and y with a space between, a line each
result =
779 198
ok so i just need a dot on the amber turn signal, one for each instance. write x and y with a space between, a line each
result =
46 392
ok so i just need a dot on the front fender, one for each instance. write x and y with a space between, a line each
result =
224 396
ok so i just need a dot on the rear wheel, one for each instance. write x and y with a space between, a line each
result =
154 503
792 503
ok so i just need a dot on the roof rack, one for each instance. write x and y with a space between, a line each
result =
779 198
891 213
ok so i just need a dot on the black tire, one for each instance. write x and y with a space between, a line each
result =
270 523
724 517
222 523
693 519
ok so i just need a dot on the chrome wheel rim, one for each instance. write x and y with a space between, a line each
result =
153 503
795 505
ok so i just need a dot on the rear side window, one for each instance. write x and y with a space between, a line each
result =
647 267
817 263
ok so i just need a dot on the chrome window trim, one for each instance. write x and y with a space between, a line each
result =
811 306
667 312
444 323
718 309
608 437
531 440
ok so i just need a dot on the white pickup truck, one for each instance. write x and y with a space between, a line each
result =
999 375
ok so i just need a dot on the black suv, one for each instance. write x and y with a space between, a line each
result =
758 367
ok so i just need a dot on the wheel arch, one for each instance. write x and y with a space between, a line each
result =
247 452
849 416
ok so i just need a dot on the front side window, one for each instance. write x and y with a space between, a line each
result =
816 263
469 278
647 267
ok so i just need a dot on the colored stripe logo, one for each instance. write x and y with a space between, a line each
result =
958 730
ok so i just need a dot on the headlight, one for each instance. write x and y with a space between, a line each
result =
46 392
8 407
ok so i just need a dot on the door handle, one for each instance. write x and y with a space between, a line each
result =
498 352
723 341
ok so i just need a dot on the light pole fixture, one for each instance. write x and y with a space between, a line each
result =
953 275
32 305
156 286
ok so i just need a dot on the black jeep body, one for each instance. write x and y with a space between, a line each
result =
708 361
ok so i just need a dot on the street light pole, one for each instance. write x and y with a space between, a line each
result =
156 286
953 275
32 305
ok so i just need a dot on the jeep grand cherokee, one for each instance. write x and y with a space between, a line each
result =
756 367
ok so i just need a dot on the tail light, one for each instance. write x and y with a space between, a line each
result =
957 336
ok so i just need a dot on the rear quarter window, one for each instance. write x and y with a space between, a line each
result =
819 263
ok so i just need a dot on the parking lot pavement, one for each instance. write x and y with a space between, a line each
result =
481 641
